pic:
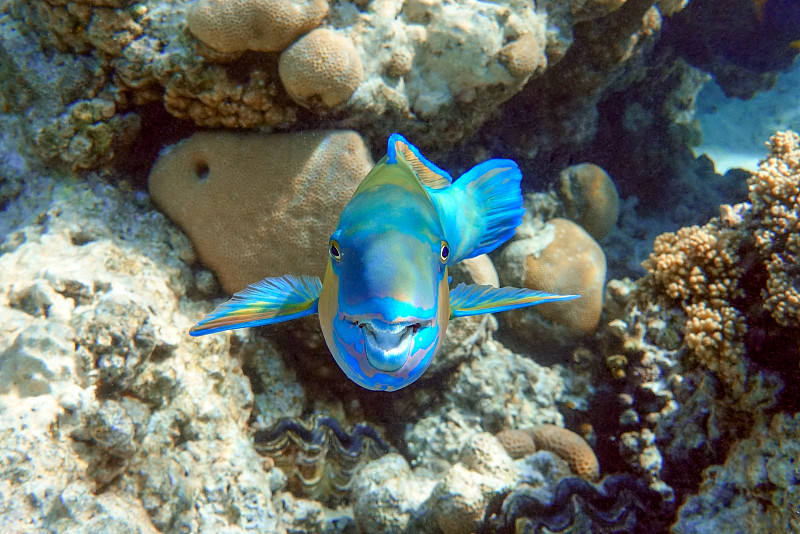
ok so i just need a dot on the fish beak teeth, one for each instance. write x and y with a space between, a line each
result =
388 345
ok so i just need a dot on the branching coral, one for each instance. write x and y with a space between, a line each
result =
718 273
699 267
320 459
615 505
775 197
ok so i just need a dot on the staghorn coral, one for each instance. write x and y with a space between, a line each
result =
320 458
590 198
215 184
322 69
615 505
262 25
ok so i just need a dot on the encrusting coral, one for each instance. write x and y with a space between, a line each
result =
262 25
257 206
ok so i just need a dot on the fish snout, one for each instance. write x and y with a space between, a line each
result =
388 346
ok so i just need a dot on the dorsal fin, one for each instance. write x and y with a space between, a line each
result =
429 174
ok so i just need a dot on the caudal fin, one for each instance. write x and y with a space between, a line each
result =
482 209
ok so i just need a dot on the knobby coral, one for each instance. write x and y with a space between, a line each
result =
737 278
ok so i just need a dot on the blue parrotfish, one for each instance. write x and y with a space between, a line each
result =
385 299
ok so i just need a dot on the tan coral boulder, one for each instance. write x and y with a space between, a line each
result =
262 25
259 205
590 197
560 258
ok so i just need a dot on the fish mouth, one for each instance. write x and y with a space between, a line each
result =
388 346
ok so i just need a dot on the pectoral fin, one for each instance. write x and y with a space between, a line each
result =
271 300
474 299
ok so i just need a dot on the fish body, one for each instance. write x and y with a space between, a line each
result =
384 302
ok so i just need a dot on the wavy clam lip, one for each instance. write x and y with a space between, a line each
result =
388 345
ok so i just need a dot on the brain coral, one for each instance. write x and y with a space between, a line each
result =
262 25
590 197
259 205
322 67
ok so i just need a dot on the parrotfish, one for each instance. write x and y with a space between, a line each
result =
385 300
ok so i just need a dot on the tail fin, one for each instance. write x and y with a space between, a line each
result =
482 209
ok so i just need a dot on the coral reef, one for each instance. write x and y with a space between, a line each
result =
214 185
715 272
757 488
111 418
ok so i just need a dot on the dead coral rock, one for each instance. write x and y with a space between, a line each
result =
569 446
261 25
257 206
459 499
590 197
321 68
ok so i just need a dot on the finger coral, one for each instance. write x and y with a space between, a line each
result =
775 197
262 25
257 206
321 68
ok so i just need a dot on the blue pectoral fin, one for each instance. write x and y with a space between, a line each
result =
482 209
474 299
272 300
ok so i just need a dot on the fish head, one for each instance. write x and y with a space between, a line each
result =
384 305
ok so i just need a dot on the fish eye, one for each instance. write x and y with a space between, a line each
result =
444 253
334 251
